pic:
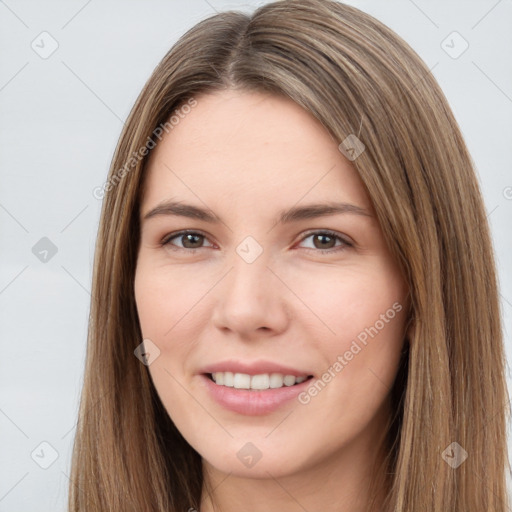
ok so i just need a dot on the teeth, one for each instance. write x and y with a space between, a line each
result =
228 379
242 381
262 381
276 380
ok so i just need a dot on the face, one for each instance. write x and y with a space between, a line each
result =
246 276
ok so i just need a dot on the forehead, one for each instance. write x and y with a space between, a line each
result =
250 148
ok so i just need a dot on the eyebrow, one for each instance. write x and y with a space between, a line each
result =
293 214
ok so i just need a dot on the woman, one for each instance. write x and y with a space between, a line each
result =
295 300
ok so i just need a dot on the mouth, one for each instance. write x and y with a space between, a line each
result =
254 395
259 382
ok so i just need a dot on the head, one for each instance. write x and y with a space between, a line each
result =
254 288
248 117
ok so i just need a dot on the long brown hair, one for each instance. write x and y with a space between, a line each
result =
358 78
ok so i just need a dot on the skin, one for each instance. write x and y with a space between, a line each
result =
247 156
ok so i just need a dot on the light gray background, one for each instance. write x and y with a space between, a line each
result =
60 118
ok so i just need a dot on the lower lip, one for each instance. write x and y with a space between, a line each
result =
252 402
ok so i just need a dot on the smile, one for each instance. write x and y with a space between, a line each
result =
257 382
253 395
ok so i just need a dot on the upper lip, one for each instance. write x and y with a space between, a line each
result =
253 368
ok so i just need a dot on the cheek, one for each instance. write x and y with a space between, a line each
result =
164 298
363 316
162 305
352 301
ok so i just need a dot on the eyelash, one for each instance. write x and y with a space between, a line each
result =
167 239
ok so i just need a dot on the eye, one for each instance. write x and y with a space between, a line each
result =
191 240
325 242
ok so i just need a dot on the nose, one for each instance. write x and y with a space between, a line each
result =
251 300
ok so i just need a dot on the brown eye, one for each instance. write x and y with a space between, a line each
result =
190 240
326 242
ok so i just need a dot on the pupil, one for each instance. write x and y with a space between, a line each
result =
189 237
324 237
